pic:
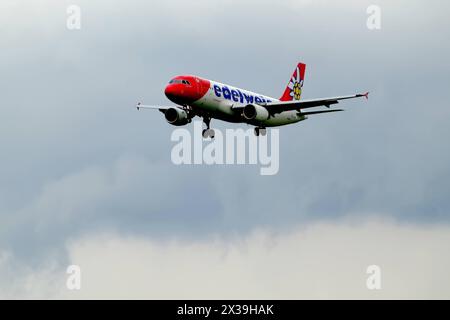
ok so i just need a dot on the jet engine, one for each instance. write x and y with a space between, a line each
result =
177 117
255 112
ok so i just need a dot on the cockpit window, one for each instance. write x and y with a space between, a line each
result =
180 81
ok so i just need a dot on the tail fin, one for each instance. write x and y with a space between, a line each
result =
293 90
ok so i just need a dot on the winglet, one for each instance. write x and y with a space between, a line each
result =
138 105
366 95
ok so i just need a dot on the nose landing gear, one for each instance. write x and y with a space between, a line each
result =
207 132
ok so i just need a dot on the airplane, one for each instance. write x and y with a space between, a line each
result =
209 99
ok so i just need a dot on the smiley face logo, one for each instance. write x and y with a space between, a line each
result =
295 86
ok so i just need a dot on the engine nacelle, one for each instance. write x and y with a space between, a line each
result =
255 112
177 117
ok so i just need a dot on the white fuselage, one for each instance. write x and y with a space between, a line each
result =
220 99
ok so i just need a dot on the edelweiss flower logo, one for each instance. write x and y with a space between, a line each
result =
295 85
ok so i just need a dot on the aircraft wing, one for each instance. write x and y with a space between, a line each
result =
280 106
160 108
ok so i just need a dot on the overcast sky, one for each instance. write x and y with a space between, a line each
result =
83 174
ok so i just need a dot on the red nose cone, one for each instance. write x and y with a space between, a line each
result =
186 89
175 93
169 91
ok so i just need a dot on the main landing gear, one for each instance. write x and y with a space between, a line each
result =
207 132
260 131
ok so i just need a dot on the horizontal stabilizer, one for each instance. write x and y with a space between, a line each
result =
320 111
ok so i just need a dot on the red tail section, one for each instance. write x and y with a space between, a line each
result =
293 90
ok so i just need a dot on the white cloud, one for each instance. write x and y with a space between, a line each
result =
321 261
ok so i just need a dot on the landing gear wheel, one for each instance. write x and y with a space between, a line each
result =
260 131
208 133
